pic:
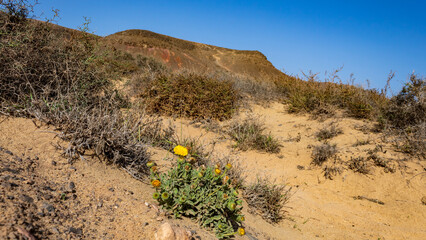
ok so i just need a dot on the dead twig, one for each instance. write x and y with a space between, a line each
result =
368 199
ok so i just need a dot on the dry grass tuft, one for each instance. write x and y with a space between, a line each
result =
249 134
328 132
322 153
267 199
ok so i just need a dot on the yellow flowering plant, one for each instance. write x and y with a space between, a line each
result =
203 193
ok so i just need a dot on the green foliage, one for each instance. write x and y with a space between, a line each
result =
249 134
203 193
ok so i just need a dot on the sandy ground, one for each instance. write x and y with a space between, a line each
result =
110 204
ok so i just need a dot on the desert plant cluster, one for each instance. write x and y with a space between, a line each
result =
203 193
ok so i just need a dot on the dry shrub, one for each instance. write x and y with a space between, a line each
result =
328 132
332 170
405 116
50 73
322 153
321 98
267 199
359 164
361 142
236 173
249 134
190 95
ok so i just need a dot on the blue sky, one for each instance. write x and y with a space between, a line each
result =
369 38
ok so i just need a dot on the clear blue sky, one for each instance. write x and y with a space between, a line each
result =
369 38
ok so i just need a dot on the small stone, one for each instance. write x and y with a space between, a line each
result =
100 204
111 189
300 167
12 236
26 198
159 219
145 224
424 200
48 207
167 232
73 168
75 230
55 230
72 186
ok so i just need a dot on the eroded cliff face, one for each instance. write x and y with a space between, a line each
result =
178 54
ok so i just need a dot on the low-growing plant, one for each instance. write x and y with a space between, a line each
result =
267 199
332 170
203 193
359 164
322 153
361 142
328 132
249 134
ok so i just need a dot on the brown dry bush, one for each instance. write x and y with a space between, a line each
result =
405 117
249 134
328 132
321 98
267 199
48 73
190 95
322 153
359 164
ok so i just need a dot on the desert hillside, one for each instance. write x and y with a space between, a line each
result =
139 135
181 54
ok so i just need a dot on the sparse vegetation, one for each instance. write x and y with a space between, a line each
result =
359 164
328 132
322 98
267 199
249 134
405 117
361 142
332 170
321 153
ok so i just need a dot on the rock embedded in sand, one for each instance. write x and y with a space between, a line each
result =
167 232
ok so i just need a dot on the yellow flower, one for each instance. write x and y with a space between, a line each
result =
217 171
241 231
156 183
228 166
225 179
180 150
150 164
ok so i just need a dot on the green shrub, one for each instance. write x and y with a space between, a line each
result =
203 193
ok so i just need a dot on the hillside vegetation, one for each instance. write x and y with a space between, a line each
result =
107 97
